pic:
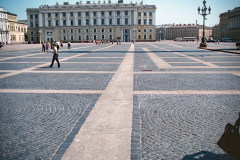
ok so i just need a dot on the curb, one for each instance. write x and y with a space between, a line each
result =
219 50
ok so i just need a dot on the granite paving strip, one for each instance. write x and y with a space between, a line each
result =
157 60
189 57
106 133
51 91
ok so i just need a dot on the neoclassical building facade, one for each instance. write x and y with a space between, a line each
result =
4 34
92 21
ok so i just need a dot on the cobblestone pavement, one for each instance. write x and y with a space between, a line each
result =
182 99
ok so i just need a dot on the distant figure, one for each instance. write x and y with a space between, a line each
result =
43 46
55 56
61 44
58 45
47 46
69 44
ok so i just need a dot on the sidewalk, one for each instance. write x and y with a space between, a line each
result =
233 50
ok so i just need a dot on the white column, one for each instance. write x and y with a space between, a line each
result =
99 18
148 18
142 18
130 18
122 21
75 16
46 19
91 18
28 21
61 19
114 18
135 17
83 18
53 19
68 18
34 21
153 18
40 20
106 18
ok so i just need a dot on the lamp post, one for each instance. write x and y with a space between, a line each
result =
160 36
203 12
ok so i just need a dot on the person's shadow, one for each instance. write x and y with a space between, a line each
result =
206 155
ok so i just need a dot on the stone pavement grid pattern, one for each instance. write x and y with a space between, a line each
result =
180 105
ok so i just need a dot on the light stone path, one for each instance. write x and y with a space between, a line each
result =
106 133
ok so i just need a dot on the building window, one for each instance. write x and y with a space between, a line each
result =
79 22
126 13
95 30
64 14
36 16
150 21
79 37
150 30
110 13
87 30
49 23
139 36
72 38
145 13
31 32
87 13
56 14
102 37
118 13
64 38
79 31
126 21
64 22
150 36
31 16
95 21
102 13
71 14
56 22
71 22
110 30
145 21
63 31
103 30
49 15
150 14
87 21
139 21
110 21
94 13
139 30
118 21
110 37
71 30
87 37
79 14
95 37
31 24
145 30
102 21
139 14
145 36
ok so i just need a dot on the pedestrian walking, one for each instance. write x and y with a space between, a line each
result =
43 46
55 56
58 45
47 46
69 44
61 44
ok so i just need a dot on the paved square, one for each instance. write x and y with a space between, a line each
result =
158 100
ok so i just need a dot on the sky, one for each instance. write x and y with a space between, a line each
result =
168 11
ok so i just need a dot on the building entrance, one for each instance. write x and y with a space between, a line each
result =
126 35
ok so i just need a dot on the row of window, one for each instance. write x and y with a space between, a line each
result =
19 29
94 22
126 13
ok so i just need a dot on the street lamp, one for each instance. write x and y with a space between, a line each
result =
160 36
204 13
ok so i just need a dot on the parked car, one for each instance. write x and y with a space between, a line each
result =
1 44
226 40
211 40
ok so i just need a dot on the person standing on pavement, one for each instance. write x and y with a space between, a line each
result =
55 56
43 46
47 46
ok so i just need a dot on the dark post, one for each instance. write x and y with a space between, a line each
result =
204 13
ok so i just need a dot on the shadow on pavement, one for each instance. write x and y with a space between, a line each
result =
206 155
